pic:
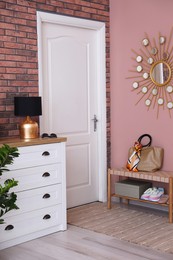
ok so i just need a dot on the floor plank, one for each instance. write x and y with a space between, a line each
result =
80 244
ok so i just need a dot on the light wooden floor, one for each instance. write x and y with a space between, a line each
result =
80 244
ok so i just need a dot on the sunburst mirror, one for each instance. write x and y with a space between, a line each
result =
153 73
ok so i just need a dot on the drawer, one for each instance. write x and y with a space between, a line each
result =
37 155
28 223
35 177
36 199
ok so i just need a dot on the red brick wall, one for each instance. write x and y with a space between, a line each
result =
18 51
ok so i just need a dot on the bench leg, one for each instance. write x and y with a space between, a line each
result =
109 189
170 198
126 201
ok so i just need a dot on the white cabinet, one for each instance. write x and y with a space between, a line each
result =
41 193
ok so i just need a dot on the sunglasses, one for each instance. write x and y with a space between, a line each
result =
45 135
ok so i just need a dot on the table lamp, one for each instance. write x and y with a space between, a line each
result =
28 106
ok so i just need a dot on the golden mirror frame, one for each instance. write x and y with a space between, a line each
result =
154 83
169 70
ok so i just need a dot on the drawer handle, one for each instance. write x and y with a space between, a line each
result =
46 196
9 227
46 174
47 216
46 153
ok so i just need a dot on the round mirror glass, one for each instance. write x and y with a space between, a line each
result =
160 73
162 39
139 58
154 51
139 68
145 42
150 60
169 89
165 56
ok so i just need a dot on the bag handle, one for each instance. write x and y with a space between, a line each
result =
145 135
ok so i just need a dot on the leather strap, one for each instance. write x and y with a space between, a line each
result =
145 135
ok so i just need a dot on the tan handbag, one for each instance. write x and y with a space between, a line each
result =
151 158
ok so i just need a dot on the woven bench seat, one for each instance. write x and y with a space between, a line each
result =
159 176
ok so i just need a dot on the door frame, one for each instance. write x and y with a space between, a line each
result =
99 27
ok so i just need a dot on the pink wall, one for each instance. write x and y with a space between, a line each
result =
129 21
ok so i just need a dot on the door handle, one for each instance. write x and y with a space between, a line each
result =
46 153
95 123
47 216
46 196
46 174
9 227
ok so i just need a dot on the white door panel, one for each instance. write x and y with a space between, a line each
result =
68 58
70 91
70 78
81 154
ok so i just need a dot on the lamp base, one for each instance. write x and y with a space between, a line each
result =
28 129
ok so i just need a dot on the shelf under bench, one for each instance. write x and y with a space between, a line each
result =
159 176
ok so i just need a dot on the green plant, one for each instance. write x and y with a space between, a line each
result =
7 198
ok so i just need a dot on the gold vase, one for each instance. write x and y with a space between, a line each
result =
28 129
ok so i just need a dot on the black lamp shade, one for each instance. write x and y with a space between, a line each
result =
27 106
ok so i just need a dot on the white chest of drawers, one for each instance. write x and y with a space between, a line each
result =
41 192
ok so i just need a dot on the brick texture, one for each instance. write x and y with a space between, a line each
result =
18 51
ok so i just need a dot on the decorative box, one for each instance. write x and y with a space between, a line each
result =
131 188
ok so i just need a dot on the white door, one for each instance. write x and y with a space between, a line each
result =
70 104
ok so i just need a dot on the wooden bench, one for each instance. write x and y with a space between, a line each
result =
159 176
